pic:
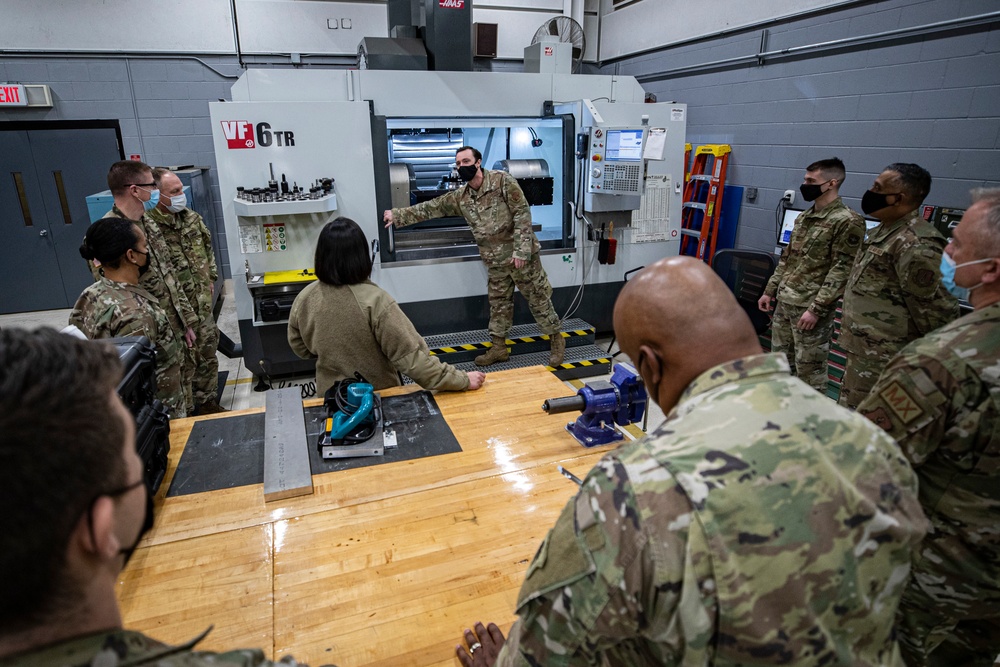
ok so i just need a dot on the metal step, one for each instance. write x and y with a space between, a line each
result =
579 361
464 346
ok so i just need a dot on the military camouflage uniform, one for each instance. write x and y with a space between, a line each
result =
760 524
893 296
124 648
161 281
190 245
940 399
108 309
810 276
501 224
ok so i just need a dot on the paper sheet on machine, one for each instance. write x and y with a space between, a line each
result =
651 221
250 239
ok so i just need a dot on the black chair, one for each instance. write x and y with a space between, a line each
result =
746 272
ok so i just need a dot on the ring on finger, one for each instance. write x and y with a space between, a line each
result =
473 647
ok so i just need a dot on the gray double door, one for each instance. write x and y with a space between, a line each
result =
46 172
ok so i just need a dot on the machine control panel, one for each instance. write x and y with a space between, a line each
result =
615 156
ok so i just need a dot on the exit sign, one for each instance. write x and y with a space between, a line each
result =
12 95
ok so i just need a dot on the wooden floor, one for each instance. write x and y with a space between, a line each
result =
382 565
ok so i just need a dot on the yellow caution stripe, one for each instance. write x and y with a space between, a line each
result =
577 364
510 341
464 348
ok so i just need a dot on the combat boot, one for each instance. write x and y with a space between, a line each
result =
558 349
209 408
498 352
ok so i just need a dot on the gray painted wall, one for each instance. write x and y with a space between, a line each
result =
161 105
933 100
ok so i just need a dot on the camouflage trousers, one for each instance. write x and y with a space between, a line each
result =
932 634
170 382
860 377
185 366
205 364
807 351
533 283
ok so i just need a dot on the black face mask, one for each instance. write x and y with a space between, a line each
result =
875 201
147 524
812 191
653 392
147 521
467 172
145 267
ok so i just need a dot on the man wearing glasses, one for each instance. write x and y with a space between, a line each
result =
135 194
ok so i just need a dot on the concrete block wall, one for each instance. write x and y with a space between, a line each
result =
160 104
933 100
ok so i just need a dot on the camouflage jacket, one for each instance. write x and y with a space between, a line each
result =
760 524
497 213
124 648
894 294
109 309
940 399
191 252
161 278
815 264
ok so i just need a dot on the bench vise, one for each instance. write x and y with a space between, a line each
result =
621 401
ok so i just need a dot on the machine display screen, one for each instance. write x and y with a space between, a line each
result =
787 224
623 146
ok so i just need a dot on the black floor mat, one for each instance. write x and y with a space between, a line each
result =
229 452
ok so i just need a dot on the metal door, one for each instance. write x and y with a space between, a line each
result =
46 171
69 165
30 273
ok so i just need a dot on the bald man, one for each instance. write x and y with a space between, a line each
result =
190 244
760 524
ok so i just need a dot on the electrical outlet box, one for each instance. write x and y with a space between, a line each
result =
789 197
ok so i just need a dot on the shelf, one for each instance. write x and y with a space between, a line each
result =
252 210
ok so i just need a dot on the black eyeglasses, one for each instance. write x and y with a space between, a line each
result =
113 494
144 185
125 489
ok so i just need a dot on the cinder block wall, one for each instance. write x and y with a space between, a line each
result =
161 105
933 100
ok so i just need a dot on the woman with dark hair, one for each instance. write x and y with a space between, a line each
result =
116 306
349 324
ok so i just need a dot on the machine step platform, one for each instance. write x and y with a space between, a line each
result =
580 361
456 348
528 347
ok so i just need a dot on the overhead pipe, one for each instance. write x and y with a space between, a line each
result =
761 56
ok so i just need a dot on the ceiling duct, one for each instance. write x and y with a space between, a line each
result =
444 26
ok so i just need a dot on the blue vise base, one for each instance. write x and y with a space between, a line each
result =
621 401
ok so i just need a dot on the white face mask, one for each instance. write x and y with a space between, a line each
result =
177 203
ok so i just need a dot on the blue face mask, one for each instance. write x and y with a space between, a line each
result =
154 199
948 268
